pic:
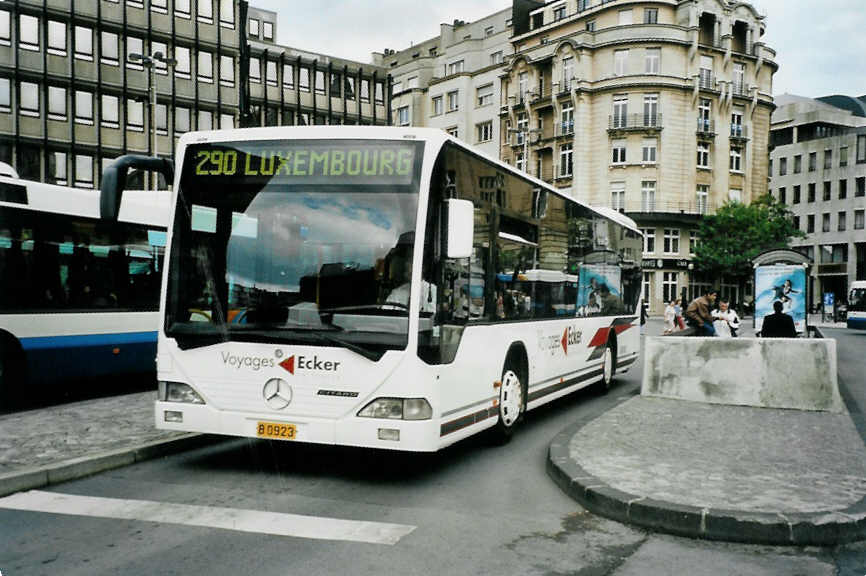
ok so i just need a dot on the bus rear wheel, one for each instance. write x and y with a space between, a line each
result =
512 401
608 366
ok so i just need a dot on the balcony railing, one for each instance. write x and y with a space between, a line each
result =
706 80
693 207
565 128
740 89
738 131
565 85
706 127
634 122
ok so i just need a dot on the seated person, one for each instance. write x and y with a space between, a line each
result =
778 324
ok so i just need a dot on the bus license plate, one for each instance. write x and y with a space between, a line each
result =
276 430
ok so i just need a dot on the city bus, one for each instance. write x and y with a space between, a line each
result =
380 287
857 305
79 296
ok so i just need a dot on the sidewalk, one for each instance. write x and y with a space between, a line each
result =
719 472
59 443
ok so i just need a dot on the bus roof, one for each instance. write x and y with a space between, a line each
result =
137 206
435 137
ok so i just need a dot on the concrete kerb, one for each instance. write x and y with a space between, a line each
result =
30 479
826 528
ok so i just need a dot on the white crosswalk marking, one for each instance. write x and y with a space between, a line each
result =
255 521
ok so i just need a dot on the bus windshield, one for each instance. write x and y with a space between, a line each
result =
857 300
306 241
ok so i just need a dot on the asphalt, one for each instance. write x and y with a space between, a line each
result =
705 471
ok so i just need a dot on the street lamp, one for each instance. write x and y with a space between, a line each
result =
150 62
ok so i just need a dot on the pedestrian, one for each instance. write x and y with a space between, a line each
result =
670 317
778 324
678 309
698 314
726 320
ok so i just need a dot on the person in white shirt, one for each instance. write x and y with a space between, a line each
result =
725 321
670 317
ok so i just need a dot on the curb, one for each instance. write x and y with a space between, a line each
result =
29 479
797 529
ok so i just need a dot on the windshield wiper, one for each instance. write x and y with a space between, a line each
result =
373 355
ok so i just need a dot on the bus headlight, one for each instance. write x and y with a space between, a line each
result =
398 409
178 392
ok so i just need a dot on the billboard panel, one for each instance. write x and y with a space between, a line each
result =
783 283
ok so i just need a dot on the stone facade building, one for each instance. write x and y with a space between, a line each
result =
657 108
818 167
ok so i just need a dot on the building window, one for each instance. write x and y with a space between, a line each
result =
397 87
205 66
828 159
134 46
738 76
705 107
565 160
268 30
651 16
625 17
736 159
484 131
496 58
227 121
669 286
841 221
84 170
620 111
271 74
455 68
304 78
57 168
859 217
181 119
860 187
651 110
56 38
162 48
110 111
255 70
810 196
735 195
452 131
488 31
652 60
703 155
825 222
672 241
253 28
484 95
379 93
649 240
693 241
796 222
56 103
5 95
349 87
28 99
810 223
617 196
705 73
798 161
590 25
83 43
559 13
453 101
28 32
566 117
520 162
703 196
5 28
737 123
83 107
134 115
336 81
618 149
813 161
181 8
365 90
861 148
227 13
827 191
782 196
648 195
227 70
205 120
437 105
843 189
403 116
620 62
161 119
649 148
319 79
205 11
110 52
843 156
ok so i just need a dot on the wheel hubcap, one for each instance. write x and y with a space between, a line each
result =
510 398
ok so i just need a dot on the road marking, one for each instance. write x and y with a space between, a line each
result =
256 521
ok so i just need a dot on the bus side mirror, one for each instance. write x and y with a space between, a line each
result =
459 228
114 180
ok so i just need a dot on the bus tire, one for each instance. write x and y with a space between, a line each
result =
512 396
608 365
11 371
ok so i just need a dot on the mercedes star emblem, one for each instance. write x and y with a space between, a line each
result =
277 393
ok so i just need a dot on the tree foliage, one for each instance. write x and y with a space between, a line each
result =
736 233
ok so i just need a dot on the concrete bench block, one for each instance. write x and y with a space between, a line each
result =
768 372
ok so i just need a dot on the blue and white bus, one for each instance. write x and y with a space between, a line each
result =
79 296
380 287
857 305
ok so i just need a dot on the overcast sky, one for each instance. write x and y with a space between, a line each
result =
821 45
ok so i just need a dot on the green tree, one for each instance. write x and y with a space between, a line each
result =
736 233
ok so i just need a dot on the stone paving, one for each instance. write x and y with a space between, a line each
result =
728 457
48 436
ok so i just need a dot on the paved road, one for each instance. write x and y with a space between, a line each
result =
473 509
851 359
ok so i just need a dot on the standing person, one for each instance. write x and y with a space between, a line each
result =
698 314
779 324
678 310
670 317
726 320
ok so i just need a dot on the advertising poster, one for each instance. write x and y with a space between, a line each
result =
786 284
597 285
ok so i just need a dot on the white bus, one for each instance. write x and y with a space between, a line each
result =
79 296
857 305
381 287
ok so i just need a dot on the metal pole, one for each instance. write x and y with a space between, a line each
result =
153 122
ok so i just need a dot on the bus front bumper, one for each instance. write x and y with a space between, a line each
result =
414 436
